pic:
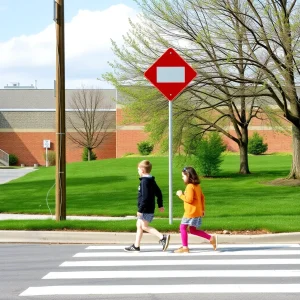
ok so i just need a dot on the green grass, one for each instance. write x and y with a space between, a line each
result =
109 188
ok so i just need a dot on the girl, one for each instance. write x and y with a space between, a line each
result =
194 208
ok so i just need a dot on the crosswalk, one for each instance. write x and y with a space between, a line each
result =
108 270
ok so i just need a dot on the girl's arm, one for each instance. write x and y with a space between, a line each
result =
188 195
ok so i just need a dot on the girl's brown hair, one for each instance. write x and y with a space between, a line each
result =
191 175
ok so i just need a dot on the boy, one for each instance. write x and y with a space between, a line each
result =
147 191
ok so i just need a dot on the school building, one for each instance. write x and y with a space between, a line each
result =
28 118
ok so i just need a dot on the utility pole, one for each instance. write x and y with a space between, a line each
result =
60 112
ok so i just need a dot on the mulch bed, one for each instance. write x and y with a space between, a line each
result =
284 182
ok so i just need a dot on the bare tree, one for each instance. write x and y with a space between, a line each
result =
273 26
90 118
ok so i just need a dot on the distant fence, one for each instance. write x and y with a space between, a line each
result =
4 158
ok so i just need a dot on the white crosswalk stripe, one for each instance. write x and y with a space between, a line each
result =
191 253
162 289
204 246
247 269
173 274
113 263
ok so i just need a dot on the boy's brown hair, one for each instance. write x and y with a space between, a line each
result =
146 165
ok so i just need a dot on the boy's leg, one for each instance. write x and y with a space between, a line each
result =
145 227
139 232
164 239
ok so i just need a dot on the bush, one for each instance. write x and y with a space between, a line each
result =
13 159
256 145
145 148
85 155
51 157
208 154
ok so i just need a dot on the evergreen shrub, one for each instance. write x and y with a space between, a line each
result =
208 154
145 147
13 159
85 155
256 145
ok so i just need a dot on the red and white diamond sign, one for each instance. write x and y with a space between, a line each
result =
170 74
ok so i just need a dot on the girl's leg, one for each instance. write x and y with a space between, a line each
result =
184 239
201 233
184 235
212 238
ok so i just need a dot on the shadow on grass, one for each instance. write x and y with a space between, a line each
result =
254 174
16 185
96 180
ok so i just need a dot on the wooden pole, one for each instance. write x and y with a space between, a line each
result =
60 114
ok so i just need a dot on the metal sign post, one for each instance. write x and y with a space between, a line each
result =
46 145
170 165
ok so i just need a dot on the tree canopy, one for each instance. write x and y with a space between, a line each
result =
246 56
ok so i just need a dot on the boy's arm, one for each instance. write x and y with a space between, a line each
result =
144 196
158 195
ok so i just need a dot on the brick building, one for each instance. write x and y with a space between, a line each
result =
27 118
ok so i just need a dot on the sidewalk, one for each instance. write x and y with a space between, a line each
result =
46 217
84 237
89 237
7 175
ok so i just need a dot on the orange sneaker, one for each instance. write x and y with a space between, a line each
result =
214 241
182 250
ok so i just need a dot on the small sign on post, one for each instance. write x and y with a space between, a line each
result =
46 145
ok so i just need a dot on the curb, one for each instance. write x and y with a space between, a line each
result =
84 237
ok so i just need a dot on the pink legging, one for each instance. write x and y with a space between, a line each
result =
193 230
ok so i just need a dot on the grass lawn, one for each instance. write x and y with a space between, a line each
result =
109 188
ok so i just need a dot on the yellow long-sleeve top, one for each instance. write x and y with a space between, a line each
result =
194 201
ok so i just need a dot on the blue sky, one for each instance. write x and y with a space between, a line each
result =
27 40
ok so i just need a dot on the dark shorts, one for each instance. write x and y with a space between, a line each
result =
147 217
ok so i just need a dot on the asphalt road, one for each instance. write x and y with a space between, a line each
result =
66 272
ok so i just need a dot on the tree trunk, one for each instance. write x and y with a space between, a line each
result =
243 146
244 164
89 154
295 169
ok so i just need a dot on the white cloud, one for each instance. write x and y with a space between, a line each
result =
33 50
87 49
